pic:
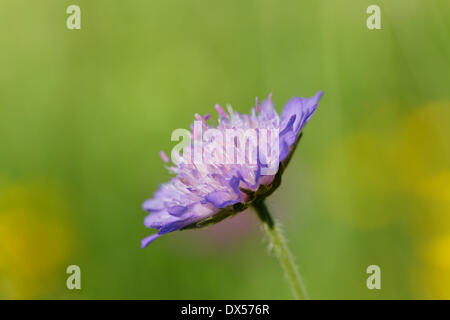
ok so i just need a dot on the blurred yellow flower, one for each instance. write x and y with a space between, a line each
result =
422 168
399 169
423 149
437 187
372 177
35 240
359 181
438 252
435 275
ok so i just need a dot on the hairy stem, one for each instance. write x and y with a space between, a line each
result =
282 252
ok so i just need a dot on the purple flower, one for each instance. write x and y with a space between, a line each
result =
205 193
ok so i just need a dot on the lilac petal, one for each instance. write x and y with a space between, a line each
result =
245 182
303 108
197 212
288 127
177 210
285 142
287 138
146 241
153 205
165 222
292 108
257 176
220 199
284 150
177 225
157 219
234 183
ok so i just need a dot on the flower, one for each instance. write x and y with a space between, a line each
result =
205 193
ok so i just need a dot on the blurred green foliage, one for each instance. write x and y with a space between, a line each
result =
83 114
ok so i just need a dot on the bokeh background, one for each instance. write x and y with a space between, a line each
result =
84 113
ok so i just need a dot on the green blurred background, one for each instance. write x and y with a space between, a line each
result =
84 113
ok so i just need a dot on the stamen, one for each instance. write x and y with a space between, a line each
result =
257 105
200 118
194 133
163 156
221 112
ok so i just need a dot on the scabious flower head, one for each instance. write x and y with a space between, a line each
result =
204 193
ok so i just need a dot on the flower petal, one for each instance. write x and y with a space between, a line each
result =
177 225
302 108
157 219
153 205
146 241
177 211
220 199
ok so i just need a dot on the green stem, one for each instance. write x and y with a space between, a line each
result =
282 252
